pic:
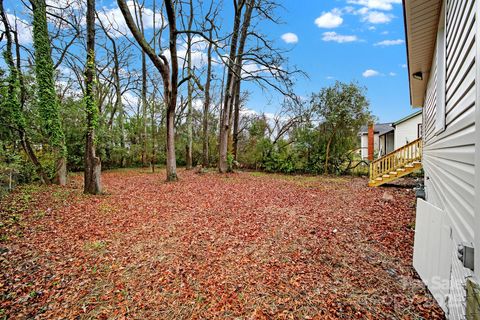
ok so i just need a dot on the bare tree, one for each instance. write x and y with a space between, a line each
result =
118 106
168 71
270 67
237 77
208 81
190 90
228 96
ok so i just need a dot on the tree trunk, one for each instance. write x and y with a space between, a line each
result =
144 110
27 147
169 75
234 75
236 121
190 92
327 152
92 183
153 159
227 104
327 155
206 106
153 134
171 92
47 98
16 105
171 160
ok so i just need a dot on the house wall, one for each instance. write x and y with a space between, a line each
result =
390 142
407 131
386 144
449 155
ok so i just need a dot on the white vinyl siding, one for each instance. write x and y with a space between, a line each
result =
449 155
441 66
407 131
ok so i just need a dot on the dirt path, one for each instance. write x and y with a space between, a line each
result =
244 246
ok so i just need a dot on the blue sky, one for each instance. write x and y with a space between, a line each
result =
346 40
342 40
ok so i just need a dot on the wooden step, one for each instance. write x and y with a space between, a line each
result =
401 170
409 166
393 173
379 179
386 176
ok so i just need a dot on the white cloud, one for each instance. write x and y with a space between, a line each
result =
330 19
24 29
114 21
329 77
251 69
370 73
198 51
290 37
128 98
333 36
392 74
404 66
63 4
376 4
248 112
375 17
386 43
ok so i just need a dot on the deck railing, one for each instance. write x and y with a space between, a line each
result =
396 159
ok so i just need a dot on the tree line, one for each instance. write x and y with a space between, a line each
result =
161 84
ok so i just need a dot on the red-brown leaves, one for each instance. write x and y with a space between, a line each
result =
243 245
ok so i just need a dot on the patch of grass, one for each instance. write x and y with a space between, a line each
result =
105 208
61 194
411 225
96 246
258 174
302 180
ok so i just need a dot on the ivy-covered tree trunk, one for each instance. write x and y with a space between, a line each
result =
92 162
47 100
12 104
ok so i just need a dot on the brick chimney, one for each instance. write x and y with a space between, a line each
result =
371 134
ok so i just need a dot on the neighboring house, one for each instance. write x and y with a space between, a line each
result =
391 136
407 129
380 130
444 75
386 141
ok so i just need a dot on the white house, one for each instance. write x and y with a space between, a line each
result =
391 136
407 129
443 73
380 130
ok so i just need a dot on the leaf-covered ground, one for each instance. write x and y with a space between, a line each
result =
211 246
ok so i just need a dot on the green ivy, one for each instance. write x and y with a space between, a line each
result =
90 103
47 100
11 103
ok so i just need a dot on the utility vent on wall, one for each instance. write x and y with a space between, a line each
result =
466 255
